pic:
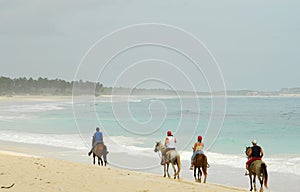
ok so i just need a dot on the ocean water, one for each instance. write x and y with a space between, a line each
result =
132 125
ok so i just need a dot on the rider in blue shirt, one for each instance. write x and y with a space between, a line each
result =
97 138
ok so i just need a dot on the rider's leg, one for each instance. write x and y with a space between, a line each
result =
163 157
247 173
192 160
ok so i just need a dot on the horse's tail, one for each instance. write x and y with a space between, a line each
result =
265 173
204 164
178 164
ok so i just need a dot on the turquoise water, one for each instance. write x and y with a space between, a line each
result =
133 125
273 121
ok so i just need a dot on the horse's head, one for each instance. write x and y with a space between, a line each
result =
247 149
157 146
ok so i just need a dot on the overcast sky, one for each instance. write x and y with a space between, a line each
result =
256 43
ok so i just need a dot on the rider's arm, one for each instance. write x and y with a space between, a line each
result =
102 137
166 141
249 152
93 140
195 146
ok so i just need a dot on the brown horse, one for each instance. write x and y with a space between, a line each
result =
172 157
98 151
200 162
258 168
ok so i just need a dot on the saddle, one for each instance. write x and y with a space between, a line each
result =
254 160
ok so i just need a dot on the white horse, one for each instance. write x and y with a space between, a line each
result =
172 157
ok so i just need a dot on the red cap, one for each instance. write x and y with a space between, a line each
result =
169 133
199 138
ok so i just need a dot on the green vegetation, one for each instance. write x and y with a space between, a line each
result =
43 86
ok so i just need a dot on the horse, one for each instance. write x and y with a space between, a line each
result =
200 162
172 157
98 151
258 168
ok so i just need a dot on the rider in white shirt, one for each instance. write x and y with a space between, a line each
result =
170 145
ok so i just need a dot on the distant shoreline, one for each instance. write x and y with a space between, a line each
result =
57 87
66 98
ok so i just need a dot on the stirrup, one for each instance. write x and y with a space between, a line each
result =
191 167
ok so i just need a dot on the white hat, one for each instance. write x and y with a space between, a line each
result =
254 142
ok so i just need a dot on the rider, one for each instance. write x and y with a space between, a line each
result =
97 139
254 153
197 149
170 145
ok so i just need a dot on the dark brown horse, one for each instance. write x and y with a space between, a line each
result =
98 151
200 162
258 168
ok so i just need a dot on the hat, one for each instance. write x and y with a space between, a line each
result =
254 142
169 133
199 138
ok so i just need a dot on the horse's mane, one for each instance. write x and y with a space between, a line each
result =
163 147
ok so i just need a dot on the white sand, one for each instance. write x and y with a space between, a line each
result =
36 174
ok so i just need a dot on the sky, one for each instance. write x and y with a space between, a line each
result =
255 43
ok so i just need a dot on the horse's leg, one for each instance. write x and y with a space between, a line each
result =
200 173
195 170
175 173
100 159
250 177
261 184
254 182
165 170
205 173
94 161
105 152
168 170
204 169
105 159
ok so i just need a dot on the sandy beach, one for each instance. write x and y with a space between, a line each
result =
34 98
29 173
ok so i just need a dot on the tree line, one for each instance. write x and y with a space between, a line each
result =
45 86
